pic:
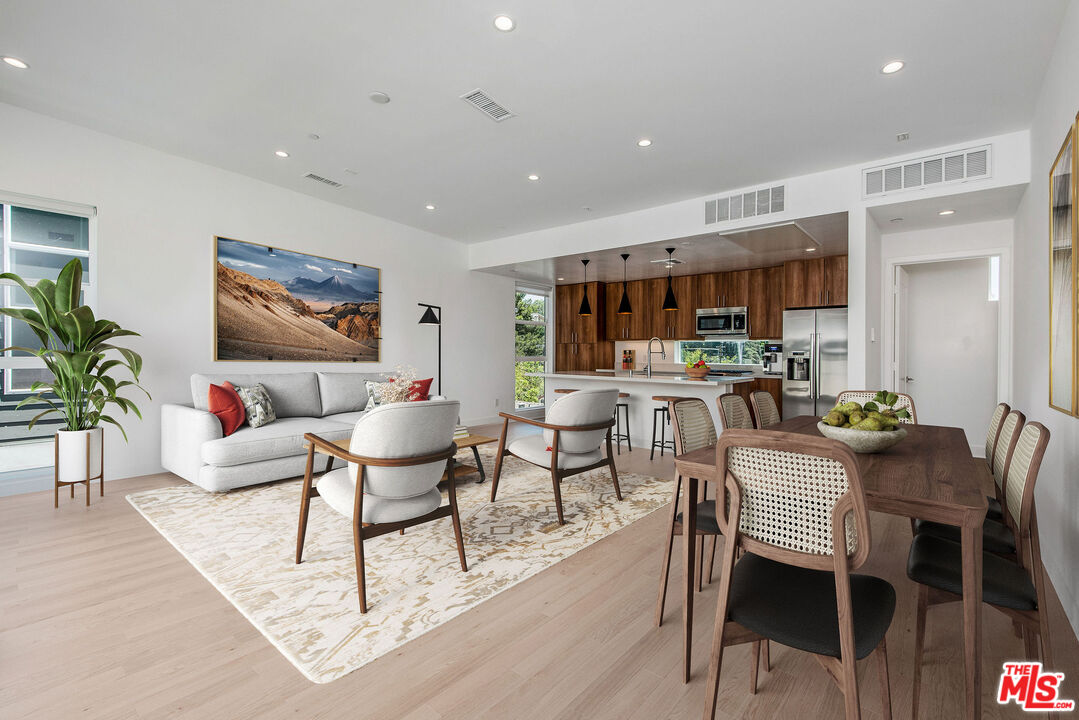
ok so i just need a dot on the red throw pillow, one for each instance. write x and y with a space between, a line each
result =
225 403
420 390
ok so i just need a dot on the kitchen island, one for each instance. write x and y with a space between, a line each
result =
641 390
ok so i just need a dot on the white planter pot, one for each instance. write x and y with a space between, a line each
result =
71 451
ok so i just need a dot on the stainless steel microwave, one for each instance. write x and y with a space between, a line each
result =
730 323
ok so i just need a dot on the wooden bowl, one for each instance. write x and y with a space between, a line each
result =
863 441
701 372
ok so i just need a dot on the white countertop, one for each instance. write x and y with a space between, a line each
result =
639 376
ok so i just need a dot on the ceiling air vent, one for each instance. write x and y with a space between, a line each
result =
745 205
324 181
958 166
483 102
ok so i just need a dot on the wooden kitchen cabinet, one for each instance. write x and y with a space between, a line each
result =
637 324
680 324
577 357
835 280
571 327
818 282
766 303
564 313
723 289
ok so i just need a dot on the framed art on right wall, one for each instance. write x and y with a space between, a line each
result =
1062 277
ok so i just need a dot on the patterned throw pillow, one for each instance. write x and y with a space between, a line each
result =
374 394
257 405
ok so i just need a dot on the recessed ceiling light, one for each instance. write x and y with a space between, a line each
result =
533 176
379 97
946 212
15 62
281 153
893 67
561 278
504 23
644 142
429 207
811 249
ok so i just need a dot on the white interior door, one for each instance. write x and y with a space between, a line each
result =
901 288
947 342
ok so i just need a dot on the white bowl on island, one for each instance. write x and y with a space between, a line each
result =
863 441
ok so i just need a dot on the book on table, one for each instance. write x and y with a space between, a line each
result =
460 432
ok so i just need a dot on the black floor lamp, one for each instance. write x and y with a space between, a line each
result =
430 318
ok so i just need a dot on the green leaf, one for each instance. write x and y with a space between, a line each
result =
892 399
904 413
111 420
881 397
871 406
40 415
69 286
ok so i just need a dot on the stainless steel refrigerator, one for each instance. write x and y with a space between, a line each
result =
815 351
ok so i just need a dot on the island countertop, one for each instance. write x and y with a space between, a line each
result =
638 376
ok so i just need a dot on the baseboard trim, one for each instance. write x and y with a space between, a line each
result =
25 481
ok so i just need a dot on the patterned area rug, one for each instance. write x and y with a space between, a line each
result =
244 543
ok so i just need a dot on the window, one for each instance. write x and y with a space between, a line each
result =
37 238
732 352
531 311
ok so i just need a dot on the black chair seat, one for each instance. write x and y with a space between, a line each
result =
996 537
706 517
995 512
797 607
938 563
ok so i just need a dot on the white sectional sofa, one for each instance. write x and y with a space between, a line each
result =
192 446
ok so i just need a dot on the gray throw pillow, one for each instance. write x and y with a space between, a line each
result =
257 405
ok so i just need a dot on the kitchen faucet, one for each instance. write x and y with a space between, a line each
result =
662 353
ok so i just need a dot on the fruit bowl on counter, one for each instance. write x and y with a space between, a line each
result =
870 428
697 370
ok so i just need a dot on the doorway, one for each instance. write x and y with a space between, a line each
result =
947 341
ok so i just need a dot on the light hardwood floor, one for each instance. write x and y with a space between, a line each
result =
101 618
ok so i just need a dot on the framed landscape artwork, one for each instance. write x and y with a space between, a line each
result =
273 304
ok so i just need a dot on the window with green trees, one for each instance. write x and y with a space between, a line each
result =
733 352
531 309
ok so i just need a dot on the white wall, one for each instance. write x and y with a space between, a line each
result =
1058 489
157 217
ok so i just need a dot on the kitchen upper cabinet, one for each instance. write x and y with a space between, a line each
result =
637 324
571 327
835 280
766 303
680 324
815 283
723 289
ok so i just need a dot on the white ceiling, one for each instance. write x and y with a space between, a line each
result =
972 207
731 93
711 252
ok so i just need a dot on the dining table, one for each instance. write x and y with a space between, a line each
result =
930 474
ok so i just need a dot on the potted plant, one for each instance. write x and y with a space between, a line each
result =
73 346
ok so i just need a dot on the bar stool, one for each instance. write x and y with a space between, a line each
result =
663 415
618 435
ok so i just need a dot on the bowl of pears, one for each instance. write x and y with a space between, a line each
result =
870 428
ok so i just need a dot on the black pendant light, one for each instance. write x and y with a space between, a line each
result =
624 307
669 301
586 307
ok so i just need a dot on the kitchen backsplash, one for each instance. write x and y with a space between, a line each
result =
671 364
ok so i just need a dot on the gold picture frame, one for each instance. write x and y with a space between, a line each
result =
1063 304
278 305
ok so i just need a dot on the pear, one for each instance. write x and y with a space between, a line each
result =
850 407
869 424
856 417
835 419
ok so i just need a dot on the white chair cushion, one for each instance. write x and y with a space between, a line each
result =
584 407
533 448
338 489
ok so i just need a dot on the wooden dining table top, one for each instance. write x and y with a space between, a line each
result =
930 474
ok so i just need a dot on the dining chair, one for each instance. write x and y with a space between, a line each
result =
694 429
997 537
992 435
863 396
733 412
765 411
396 458
573 433
1015 587
796 506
